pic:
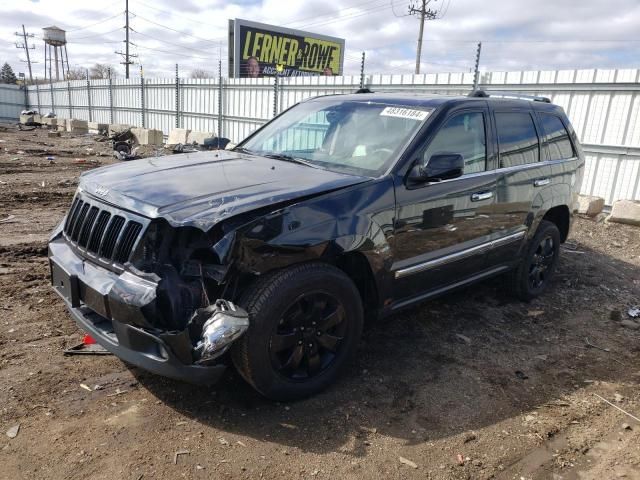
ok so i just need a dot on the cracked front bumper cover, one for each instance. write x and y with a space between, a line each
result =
109 306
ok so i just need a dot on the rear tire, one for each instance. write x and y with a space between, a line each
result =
534 272
305 324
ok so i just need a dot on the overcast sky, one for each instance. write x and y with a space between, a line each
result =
516 34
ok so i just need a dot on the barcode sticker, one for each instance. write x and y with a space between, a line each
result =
400 112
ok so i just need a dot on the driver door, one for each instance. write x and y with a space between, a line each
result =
442 228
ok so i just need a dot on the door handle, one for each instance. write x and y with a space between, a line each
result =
541 182
479 196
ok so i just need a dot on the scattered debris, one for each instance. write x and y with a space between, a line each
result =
634 312
618 397
13 431
117 392
535 313
242 444
87 347
86 387
460 459
626 426
589 344
617 407
408 462
178 453
8 219
521 375
469 437
542 357
223 441
463 338
289 426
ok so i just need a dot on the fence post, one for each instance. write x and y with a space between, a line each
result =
110 94
89 97
38 96
69 98
142 97
275 95
476 75
53 103
177 98
362 71
220 98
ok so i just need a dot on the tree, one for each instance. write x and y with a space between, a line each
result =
76 74
200 73
7 75
101 71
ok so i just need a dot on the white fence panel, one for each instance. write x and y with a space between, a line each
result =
12 99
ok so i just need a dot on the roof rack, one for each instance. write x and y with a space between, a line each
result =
514 95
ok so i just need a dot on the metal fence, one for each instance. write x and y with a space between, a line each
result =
12 101
603 105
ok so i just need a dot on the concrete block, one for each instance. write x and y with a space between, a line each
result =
199 137
625 211
24 119
147 136
74 125
178 135
590 206
96 127
117 128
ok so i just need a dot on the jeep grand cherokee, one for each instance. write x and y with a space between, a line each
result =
342 208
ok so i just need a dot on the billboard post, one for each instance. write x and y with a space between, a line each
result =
258 50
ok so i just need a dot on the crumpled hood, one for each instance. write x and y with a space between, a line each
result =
200 189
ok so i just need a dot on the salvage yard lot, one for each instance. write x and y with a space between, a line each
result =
472 385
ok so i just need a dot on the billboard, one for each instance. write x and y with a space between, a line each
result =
258 50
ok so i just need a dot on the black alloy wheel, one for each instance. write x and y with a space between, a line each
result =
542 261
309 336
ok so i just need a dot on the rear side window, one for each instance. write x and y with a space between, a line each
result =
463 134
557 143
517 139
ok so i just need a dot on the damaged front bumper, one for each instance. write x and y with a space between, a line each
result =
111 307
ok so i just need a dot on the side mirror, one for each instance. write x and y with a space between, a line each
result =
440 167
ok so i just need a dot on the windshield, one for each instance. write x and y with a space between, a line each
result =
360 137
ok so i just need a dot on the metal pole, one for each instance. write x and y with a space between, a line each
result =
177 98
69 97
142 97
423 12
362 71
38 96
110 97
55 52
476 76
53 103
275 95
66 55
26 49
126 55
89 97
219 98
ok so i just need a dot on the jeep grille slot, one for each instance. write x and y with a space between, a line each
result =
98 231
102 232
128 239
79 222
88 225
111 237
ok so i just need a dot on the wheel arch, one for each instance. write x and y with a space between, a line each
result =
561 217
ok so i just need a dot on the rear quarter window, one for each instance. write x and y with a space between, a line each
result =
557 144
517 139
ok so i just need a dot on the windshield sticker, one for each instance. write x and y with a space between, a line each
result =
400 112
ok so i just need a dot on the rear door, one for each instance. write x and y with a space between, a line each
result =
522 175
442 229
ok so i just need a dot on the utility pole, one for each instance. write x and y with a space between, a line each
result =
424 15
126 54
26 47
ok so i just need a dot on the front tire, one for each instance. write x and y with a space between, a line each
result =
305 324
534 272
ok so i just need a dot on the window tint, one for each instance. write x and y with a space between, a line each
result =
557 143
517 139
463 134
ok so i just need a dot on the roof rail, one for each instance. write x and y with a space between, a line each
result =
363 90
514 95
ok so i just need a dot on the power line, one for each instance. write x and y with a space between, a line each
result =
98 34
198 50
363 13
211 40
96 23
424 15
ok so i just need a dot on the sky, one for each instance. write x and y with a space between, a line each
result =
516 34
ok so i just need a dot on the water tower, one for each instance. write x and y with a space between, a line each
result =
55 38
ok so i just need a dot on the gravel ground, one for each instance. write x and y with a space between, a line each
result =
474 385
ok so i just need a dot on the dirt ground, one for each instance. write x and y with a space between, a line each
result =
474 385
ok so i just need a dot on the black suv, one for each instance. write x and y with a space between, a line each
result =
344 207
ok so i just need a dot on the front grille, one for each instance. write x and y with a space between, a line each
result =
102 232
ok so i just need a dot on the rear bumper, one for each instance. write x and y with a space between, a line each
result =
111 308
